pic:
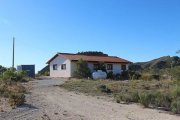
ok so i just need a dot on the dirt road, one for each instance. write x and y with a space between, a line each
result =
47 101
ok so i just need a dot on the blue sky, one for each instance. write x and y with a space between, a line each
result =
137 30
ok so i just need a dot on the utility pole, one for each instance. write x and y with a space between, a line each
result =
13 53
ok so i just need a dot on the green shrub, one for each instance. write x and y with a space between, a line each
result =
145 99
175 72
134 75
156 77
118 76
110 75
175 106
9 74
14 75
16 99
163 100
46 73
21 75
127 97
82 70
135 96
104 88
123 97
176 92
124 75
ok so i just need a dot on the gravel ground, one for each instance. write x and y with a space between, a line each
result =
47 101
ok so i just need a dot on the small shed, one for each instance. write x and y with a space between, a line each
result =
30 69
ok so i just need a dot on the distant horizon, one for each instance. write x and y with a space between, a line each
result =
104 53
138 30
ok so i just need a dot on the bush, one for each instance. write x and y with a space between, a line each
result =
135 96
145 99
8 75
176 92
2 69
134 75
175 72
156 77
117 76
110 75
147 76
127 97
21 75
14 75
46 73
124 75
16 99
175 106
82 70
13 91
163 100
104 88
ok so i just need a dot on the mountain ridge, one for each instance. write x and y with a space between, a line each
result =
158 63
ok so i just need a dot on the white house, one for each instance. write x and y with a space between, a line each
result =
64 64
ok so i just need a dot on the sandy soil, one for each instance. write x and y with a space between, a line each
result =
47 101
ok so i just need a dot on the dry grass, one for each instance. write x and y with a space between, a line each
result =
13 91
149 93
91 86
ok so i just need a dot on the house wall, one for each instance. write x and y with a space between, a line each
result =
116 67
71 67
91 66
60 73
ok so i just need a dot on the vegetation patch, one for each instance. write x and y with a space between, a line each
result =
164 94
13 91
11 87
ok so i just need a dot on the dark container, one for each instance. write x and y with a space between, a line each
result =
30 69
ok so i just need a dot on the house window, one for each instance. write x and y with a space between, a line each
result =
123 67
63 67
54 66
96 66
109 67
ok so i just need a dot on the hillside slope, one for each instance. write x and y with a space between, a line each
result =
159 63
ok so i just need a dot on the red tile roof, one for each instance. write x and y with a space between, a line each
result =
76 57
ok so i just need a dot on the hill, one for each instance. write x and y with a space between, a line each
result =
44 71
159 63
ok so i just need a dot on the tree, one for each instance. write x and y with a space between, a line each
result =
2 69
82 70
92 53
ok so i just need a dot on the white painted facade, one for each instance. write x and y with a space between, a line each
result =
59 72
71 67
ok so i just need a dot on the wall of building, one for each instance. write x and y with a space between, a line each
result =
116 67
59 72
71 67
